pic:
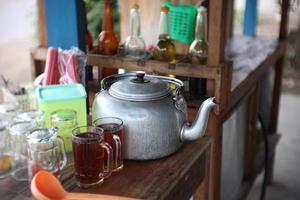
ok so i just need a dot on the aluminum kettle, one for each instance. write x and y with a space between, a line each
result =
154 113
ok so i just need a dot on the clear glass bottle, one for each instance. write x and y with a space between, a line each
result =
134 44
107 41
199 47
198 52
164 49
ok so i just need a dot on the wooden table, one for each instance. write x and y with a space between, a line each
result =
175 177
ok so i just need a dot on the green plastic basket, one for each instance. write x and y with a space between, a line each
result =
183 19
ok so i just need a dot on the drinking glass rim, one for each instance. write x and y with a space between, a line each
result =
56 118
120 125
97 135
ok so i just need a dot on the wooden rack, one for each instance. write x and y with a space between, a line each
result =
218 72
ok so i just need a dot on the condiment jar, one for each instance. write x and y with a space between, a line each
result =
46 151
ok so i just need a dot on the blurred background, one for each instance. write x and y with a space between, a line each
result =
18 33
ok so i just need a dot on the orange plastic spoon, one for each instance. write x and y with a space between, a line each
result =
45 186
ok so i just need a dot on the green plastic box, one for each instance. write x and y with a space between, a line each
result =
183 19
56 97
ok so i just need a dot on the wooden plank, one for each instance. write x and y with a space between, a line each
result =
215 56
202 191
250 133
283 32
42 26
226 114
216 34
283 29
39 53
174 176
229 19
279 68
153 66
37 61
223 87
214 130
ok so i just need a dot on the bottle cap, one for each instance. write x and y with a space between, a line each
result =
135 6
164 9
201 9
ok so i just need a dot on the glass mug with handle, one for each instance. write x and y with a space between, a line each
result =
114 136
46 151
89 148
18 143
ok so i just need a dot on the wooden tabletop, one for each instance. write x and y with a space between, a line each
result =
174 177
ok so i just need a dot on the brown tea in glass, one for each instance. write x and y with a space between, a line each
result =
114 136
88 151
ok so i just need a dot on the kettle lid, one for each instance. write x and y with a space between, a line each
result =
140 87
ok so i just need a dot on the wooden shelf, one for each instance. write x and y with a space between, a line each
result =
235 96
153 66
174 177
39 53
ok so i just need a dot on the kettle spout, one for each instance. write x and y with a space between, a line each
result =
198 127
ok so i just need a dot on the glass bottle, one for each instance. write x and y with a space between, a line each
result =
88 39
107 41
198 52
135 44
164 49
199 47
87 35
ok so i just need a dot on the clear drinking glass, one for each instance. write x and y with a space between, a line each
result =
65 121
18 131
46 151
36 116
89 156
114 136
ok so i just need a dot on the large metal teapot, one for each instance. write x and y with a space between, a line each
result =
154 113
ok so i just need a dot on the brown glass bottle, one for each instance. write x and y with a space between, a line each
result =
107 41
165 49
87 36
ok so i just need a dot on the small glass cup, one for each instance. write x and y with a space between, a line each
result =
65 120
46 151
88 151
18 131
114 136
36 116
